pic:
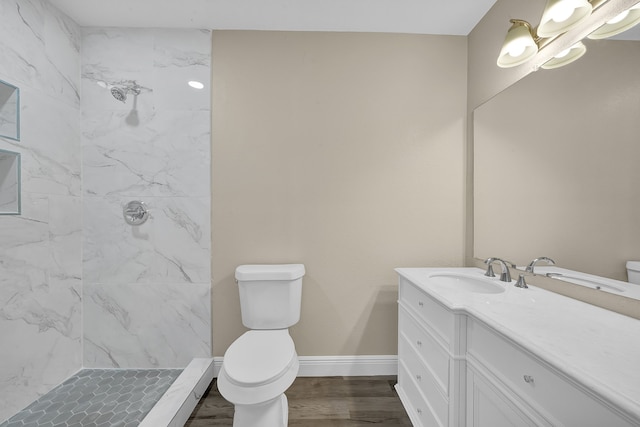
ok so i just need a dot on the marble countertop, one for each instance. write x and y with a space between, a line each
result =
596 347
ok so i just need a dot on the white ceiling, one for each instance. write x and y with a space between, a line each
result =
456 17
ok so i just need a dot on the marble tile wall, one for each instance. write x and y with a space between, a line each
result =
41 249
147 287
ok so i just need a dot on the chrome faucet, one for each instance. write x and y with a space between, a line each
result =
532 264
505 275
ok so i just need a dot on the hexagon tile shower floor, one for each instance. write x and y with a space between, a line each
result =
98 398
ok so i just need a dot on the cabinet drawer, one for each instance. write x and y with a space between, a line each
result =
417 406
552 395
415 339
424 381
438 318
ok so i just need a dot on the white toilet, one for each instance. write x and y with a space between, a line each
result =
262 363
633 272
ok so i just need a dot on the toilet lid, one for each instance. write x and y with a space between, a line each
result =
259 357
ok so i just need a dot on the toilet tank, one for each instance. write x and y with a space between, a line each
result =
270 295
633 272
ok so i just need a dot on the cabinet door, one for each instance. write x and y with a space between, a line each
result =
487 407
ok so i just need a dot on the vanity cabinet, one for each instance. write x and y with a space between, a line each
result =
431 375
455 371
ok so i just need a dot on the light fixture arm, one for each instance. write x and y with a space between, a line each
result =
531 29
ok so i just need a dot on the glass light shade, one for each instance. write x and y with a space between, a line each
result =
519 45
565 57
560 16
619 24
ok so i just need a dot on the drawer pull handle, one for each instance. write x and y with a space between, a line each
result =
419 377
528 379
419 343
420 303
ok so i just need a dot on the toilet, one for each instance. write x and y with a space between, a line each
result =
262 363
633 272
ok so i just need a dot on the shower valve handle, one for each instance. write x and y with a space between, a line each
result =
135 213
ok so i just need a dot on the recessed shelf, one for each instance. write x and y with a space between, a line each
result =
9 183
9 111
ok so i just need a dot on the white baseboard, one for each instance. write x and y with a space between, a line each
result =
347 366
340 366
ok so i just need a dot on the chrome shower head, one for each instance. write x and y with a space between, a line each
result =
120 93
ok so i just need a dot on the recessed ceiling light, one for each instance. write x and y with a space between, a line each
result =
196 85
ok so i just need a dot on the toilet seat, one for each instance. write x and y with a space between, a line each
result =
258 366
259 357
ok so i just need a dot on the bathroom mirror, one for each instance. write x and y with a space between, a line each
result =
9 183
556 164
9 111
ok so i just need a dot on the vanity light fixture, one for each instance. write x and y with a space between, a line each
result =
619 24
559 16
565 57
519 45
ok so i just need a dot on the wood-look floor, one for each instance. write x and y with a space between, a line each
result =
321 402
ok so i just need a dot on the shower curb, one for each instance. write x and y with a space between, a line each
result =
176 404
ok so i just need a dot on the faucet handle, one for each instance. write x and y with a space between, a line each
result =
489 262
489 272
521 283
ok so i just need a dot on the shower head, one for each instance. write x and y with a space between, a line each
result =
120 93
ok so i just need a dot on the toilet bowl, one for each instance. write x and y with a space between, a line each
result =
257 369
262 363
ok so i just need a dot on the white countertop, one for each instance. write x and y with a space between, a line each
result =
596 347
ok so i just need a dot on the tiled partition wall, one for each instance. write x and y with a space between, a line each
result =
146 288
40 250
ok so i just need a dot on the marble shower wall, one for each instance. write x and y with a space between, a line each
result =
146 288
41 249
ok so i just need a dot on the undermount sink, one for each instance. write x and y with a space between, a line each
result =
466 283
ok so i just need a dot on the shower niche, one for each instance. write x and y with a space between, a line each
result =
9 111
9 183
